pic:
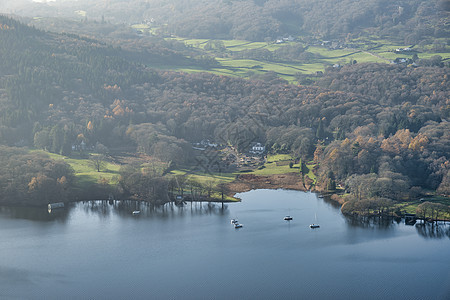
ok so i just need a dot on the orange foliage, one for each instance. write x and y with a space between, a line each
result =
419 142
112 88
398 142
118 111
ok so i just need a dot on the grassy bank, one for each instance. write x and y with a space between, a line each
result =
85 172
410 207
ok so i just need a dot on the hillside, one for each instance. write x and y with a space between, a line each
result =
364 125
256 20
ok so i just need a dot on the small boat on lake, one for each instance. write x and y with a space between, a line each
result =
287 218
237 225
313 225
136 212
234 221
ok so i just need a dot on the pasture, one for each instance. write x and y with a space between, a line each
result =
365 50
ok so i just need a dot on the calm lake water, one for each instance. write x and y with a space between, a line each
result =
99 251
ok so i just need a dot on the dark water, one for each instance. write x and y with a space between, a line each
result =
100 251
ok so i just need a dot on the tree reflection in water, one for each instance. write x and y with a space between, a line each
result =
433 231
369 221
124 208
34 213
427 230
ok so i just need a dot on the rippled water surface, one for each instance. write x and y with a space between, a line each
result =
95 250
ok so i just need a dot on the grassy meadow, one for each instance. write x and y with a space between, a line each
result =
85 172
371 49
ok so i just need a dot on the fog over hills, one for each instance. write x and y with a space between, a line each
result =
258 19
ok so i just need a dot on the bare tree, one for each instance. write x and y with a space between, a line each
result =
98 161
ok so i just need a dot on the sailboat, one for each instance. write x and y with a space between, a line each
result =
314 225
288 217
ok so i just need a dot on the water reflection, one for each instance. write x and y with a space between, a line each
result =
125 208
34 213
330 202
369 222
433 231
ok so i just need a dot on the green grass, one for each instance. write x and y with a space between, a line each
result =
202 178
278 157
411 206
431 54
370 49
310 174
244 67
140 26
245 46
85 173
273 169
327 53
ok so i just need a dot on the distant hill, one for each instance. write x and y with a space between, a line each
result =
410 21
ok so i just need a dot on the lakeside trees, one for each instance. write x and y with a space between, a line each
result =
32 178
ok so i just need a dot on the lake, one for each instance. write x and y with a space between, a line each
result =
94 250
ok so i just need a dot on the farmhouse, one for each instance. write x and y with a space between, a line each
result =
257 148
204 144
402 60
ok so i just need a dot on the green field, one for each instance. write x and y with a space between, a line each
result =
85 172
411 206
278 157
369 49
274 169
204 178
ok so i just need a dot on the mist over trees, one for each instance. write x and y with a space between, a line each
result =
409 20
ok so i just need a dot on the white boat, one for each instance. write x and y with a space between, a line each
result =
313 225
287 218
234 221
237 225
136 212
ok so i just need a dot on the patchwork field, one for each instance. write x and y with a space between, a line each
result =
373 50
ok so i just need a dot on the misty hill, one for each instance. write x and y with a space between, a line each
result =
410 21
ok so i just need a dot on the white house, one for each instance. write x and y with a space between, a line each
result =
258 148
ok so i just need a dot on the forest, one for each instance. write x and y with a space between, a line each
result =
379 131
